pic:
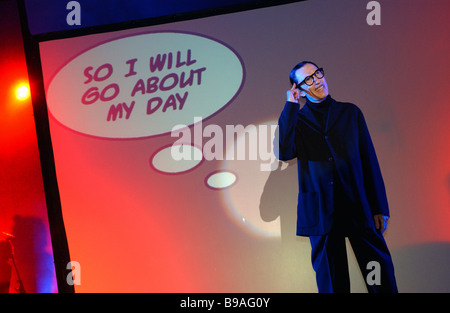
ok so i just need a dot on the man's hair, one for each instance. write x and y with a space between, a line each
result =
292 77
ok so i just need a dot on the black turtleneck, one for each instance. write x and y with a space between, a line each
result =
320 110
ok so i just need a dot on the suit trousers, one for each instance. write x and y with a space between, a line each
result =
329 260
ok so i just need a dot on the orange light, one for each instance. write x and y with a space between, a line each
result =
22 92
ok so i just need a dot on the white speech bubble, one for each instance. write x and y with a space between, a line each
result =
143 85
163 160
220 180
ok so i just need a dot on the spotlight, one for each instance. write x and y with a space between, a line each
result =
22 92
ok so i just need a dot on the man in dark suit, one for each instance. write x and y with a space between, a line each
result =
341 189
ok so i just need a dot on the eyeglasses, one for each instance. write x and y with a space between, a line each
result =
309 80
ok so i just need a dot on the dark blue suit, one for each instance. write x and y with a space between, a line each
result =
340 188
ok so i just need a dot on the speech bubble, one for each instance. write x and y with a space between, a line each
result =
163 161
142 85
220 180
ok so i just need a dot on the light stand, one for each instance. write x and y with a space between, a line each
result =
9 238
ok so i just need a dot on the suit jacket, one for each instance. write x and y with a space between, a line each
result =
343 148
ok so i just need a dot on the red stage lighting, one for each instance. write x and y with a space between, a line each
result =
22 92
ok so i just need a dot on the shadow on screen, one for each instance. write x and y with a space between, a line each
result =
279 200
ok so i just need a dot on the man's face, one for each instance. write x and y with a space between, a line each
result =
318 90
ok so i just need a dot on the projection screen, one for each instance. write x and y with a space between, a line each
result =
162 138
